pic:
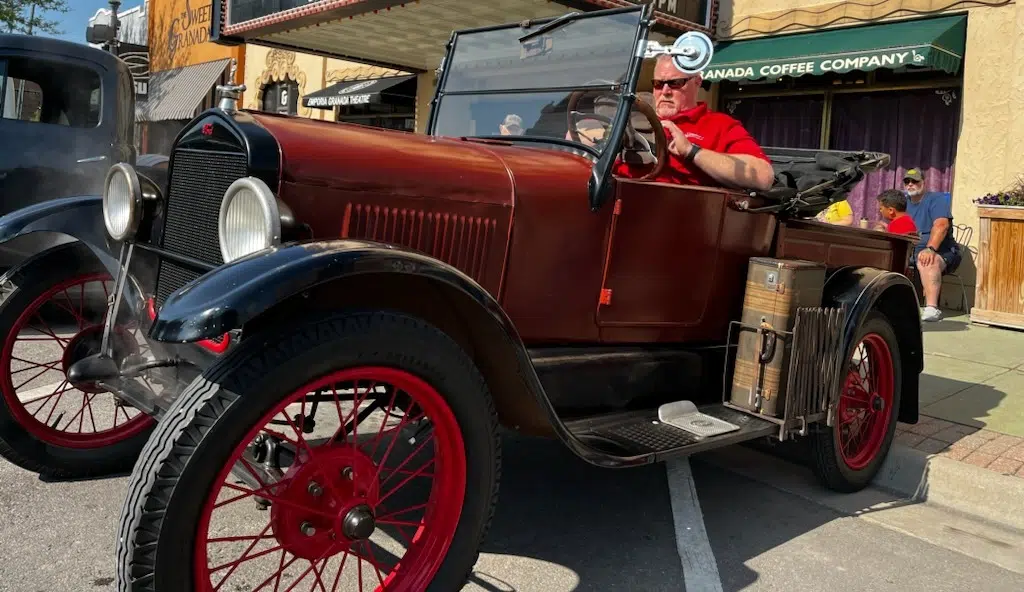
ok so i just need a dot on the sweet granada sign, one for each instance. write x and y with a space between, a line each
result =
802 66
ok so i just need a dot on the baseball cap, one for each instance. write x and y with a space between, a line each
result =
914 174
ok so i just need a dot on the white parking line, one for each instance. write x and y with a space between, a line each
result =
29 394
700 570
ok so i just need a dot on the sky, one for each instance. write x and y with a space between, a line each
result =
74 21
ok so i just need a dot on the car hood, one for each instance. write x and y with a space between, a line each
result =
373 160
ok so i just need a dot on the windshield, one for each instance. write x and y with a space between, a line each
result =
496 85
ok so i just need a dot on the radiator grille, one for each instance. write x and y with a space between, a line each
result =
459 240
197 186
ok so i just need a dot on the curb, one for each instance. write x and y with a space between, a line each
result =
908 477
959 486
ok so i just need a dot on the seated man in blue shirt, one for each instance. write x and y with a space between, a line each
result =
937 253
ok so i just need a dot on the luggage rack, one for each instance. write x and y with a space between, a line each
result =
814 369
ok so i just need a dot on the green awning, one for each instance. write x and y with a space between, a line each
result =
936 43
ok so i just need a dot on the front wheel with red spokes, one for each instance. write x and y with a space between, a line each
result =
355 452
53 317
847 455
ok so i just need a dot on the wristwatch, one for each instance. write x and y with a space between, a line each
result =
694 149
930 248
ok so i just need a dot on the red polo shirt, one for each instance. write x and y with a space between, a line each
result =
710 130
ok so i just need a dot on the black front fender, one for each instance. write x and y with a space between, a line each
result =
863 289
79 217
234 294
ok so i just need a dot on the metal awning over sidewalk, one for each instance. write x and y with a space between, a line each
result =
936 43
176 94
353 93
410 34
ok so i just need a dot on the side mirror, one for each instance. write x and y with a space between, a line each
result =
691 53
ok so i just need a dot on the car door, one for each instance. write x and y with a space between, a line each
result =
677 262
54 144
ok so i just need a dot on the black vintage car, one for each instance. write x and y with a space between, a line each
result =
68 113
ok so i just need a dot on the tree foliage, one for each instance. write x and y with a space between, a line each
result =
31 16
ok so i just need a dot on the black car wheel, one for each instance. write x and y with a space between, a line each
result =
350 452
48 322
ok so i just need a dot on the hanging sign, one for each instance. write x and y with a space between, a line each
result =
137 59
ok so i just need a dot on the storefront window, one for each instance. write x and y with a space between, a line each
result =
787 122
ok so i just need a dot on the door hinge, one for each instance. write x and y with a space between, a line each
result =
606 296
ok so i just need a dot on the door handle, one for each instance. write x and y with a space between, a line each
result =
92 159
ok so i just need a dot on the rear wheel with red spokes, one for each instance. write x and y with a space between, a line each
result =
355 452
847 455
52 317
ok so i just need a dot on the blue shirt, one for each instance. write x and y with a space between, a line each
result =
932 206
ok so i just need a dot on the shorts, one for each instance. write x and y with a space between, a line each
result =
949 260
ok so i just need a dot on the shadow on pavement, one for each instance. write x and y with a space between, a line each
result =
581 527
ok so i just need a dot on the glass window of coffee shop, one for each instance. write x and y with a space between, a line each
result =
892 87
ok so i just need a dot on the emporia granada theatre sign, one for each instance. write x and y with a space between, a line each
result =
798 67
694 11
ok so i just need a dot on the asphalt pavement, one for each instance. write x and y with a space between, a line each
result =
562 525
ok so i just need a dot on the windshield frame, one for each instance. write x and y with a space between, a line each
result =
626 92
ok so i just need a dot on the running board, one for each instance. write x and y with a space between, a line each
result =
673 430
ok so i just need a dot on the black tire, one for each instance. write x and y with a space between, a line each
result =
827 459
20 443
178 468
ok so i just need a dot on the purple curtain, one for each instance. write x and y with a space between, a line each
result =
916 128
783 122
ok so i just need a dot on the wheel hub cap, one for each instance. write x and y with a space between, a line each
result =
358 524
327 500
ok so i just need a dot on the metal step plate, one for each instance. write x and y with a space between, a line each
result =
683 415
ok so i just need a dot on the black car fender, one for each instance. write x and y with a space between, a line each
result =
864 289
68 219
239 294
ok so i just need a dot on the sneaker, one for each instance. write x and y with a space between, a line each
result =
931 314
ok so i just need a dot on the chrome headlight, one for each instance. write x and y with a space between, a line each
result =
122 202
250 219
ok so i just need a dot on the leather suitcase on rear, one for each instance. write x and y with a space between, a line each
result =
775 289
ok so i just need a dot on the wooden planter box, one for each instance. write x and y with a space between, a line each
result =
999 293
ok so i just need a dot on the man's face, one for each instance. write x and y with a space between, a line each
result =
673 90
913 187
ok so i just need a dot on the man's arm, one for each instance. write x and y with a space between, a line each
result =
940 227
738 170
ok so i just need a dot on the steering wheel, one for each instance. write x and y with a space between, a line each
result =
633 141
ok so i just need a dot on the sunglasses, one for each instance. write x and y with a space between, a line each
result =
675 83
910 181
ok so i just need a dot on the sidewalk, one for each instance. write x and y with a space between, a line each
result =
972 396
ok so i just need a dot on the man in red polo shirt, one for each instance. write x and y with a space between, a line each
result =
705 147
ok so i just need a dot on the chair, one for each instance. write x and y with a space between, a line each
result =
962 234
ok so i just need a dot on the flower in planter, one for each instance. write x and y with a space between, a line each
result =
1011 197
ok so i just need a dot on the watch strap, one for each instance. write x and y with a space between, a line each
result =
694 149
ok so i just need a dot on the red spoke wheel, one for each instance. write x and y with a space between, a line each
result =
847 455
53 318
355 452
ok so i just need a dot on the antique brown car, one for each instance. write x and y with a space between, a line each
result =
315 330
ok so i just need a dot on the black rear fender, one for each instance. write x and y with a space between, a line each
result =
863 289
276 287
